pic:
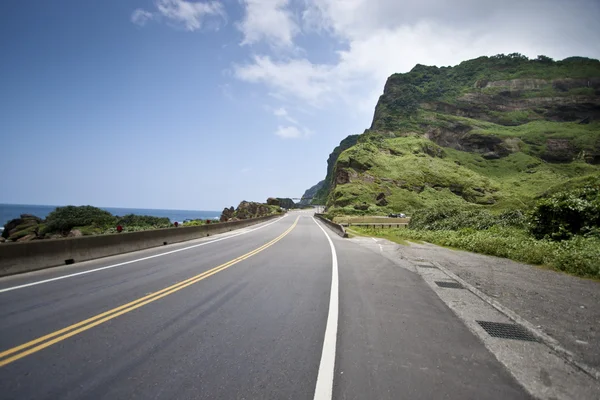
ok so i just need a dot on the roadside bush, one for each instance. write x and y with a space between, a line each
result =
199 222
63 219
578 256
453 218
566 214
143 220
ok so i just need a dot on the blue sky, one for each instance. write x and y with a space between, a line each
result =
201 104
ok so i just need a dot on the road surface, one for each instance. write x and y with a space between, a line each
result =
282 310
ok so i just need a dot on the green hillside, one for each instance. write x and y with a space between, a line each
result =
491 133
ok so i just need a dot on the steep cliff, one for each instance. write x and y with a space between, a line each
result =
321 195
493 131
310 193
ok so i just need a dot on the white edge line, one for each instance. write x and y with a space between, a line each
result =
324 387
133 261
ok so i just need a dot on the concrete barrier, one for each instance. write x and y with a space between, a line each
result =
337 228
17 258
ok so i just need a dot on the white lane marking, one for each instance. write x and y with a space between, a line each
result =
375 240
133 261
324 388
380 248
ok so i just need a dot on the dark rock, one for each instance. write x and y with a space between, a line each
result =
585 121
227 214
381 200
74 233
286 203
491 155
558 150
272 201
361 207
27 238
342 177
457 189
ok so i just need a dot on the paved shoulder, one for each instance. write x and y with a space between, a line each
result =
397 339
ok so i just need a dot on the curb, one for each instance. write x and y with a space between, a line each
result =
547 340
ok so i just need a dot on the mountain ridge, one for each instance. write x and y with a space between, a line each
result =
493 132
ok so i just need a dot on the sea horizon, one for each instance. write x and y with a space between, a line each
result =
10 211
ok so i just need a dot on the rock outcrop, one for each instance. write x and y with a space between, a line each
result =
27 227
227 214
309 194
248 209
489 131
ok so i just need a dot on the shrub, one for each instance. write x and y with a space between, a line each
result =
578 256
455 218
143 220
63 219
566 214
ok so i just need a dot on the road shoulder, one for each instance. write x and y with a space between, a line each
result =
559 306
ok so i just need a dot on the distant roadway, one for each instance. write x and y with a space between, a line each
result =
282 310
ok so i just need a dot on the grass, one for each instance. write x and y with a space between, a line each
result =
353 232
579 256
369 219
415 173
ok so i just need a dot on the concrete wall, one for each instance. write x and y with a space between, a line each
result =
30 256
337 228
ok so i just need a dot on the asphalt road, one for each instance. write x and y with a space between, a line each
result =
250 316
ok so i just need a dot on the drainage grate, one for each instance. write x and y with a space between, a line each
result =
426 266
451 285
507 331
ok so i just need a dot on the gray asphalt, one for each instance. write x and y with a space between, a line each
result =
252 331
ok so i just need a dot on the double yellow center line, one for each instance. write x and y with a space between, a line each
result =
18 352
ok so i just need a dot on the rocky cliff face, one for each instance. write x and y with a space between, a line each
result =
494 131
248 209
309 194
321 195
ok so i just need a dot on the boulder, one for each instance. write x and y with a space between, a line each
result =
25 221
75 233
27 238
227 214
272 201
381 200
361 207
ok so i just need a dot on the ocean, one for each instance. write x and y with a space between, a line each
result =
11 211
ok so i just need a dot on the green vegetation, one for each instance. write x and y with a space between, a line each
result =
199 222
320 197
405 93
561 231
567 214
63 219
479 155
144 220
578 256
87 220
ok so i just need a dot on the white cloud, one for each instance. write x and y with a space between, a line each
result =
267 20
296 77
141 17
190 15
376 38
283 113
292 132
